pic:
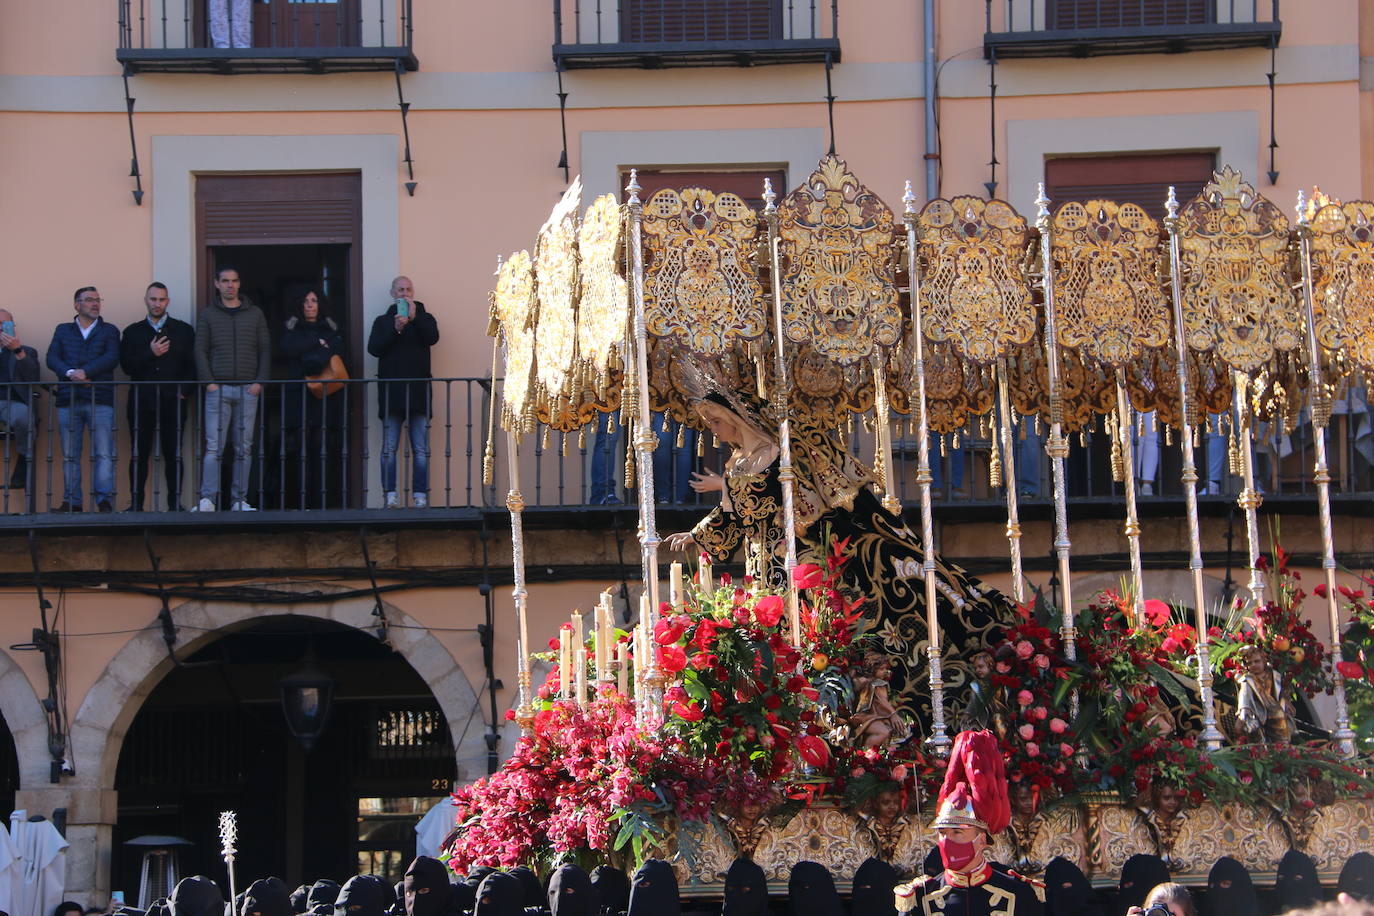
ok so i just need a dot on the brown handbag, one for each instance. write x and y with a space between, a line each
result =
330 380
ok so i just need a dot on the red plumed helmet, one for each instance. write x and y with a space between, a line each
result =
974 793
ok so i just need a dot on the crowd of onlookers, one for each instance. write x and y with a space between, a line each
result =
222 361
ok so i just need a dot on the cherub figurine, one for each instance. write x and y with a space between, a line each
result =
1165 815
747 822
986 702
1025 824
886 819
875 722
1264 711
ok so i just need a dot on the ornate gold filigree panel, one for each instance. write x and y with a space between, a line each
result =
1237 294
1111 307
1343 828
603 311
973 289
1152 383
701 289
956 392
827 392
1060 830
1343 279
514 306
838 294
555 271
1088 389
670 387
832 836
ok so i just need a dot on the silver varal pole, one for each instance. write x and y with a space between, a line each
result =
645 441
1058 447
1211 735
786 475
1320 406
1249 499
515 503
1006 435
1132 529
939 740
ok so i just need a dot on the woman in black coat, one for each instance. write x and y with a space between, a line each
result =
313 475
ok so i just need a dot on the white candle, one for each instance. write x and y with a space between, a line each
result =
581 665
564 662
621 669
675 586
579 640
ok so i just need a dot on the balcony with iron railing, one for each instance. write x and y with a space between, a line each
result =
653 34
265 36
313 464
1094 28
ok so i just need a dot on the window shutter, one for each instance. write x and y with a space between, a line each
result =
656 21
278 209
1142 180
1118 14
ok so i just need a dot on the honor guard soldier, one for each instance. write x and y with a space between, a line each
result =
973 807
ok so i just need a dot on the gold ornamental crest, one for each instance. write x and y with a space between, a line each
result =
1343 279
603 310
1110 304
1237 299
514 306
701 289
555 271
838 294
975 293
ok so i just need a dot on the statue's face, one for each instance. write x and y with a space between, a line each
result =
750 810
982 667
887 805
1168 800
1256 663
1023 800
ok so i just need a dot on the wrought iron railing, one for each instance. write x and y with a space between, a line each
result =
1092 27
705 32
310 458
266 34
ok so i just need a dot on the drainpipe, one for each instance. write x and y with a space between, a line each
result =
932 139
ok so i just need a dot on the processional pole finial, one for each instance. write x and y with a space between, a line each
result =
909 201
770 197
633 188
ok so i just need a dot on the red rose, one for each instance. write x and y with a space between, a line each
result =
722 748
672 659
807 575
1350 670
1320 590
768 611
705 635
554 645
688 712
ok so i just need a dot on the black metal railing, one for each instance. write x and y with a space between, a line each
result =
308 457
669 33
1085 28
266 35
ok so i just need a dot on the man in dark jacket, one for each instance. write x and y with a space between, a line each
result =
18 370
233 351
400 339
159 350
84 353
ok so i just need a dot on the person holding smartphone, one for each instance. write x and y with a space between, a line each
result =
18 370
401 339
161 351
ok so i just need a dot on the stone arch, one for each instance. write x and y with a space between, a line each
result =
114 699
24 715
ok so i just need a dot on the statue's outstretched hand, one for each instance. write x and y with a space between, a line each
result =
707 481
683 540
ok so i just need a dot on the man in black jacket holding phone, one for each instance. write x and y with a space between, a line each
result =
400 339
160 351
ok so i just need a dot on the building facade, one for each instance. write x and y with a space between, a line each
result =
337 145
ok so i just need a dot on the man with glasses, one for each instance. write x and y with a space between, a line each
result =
83 354
233 351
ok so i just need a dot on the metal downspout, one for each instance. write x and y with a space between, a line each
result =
928 93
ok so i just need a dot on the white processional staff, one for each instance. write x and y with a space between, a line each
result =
228 841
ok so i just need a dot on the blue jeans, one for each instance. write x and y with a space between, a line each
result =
955 457
604 454
1028 452
419 451
672 466
229 410
1216 459
71 422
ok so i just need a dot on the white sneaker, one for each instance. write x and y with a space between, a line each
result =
1147 489
206 504
242 506
392 501
419 501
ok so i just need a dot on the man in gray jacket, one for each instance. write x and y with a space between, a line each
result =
233 351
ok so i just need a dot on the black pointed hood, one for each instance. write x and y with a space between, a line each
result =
534 891
322 893
746 890
424 892
612 888
363 895
463 895
1357 877
266 897
1068 892
499 894
653 891
1140 873
300 899
874 884
811 891
571 893
197 896
1297 885
1230 892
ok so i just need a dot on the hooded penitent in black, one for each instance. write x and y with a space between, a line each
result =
363 895
425 890
811 891
1357 877
320 900
464 895
499 894
266 897
746 890
1138 876
571 893
198 896
476 874
653 891
533 898
1230 892
300 899
1068 892
612 888
874 883
158 907
1296 885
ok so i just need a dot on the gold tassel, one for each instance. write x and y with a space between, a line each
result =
954 443
629 462
544 438
563 444
681 435
942 447
1083 438
995 467
1118 460
582 439
1168 435
489 456
715 441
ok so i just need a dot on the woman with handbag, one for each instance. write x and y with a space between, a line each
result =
313 411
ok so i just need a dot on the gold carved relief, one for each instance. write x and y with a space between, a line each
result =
701 288
514 307
603 311
973 290
1237 295
1343 279
1087 389
1111 307
838 294
555 271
